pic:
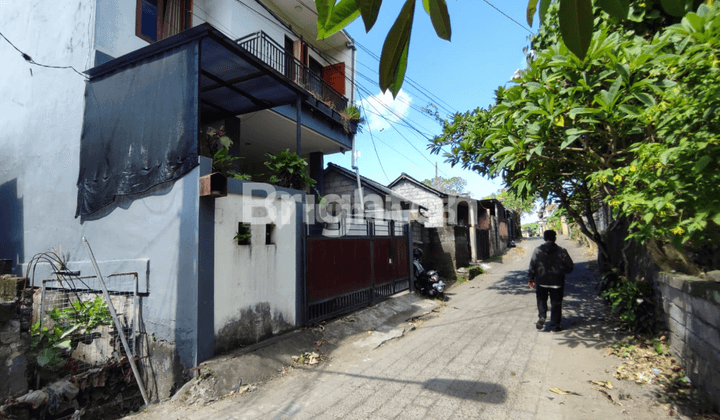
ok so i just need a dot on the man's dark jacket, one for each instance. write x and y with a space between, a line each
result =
549 264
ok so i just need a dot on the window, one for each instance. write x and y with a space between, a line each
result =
243 234
269 234
159 19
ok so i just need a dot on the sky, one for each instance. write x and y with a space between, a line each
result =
457 76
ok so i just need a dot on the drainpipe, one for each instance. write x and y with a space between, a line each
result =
351 45
357 175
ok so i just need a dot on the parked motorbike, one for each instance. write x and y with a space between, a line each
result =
427 282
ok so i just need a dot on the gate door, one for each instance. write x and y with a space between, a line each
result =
369 263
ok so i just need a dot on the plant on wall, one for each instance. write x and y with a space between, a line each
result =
243 235
289 170
216 145
351 118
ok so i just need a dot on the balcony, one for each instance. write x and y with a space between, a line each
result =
268 50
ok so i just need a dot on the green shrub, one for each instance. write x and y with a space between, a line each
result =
474 272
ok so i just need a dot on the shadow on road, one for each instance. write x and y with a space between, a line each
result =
486 392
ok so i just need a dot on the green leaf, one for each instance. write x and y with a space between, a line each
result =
646 99
438 11
648 217
702 163
369 10
324 7
696 21
341 15
576 25
716 219
616 8
531 9
577 111
393 60
674 7
544 6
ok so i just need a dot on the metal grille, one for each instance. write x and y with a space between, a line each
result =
319 311
268 50
77 306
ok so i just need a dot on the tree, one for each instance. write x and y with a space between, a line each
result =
575 23
454 185
630 129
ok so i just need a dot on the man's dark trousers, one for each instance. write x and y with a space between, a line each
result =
556 296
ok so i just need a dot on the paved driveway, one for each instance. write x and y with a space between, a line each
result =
480 357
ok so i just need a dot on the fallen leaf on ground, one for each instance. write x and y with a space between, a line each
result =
610 397
605 384
561 392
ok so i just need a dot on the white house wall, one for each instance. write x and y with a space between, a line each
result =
256 284
42 118
115 28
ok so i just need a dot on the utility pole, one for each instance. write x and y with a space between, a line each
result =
436 169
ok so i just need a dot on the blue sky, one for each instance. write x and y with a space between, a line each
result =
461 75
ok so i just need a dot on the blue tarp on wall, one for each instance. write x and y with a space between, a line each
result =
140 128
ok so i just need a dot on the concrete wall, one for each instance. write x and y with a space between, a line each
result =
432 202
343 187
344 191
446 249
42 115
692 313
256 285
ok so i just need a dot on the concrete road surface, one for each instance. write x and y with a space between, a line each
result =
479 357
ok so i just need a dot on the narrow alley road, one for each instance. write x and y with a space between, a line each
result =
479 358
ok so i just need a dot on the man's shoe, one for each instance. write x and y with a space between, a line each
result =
557 328
540 323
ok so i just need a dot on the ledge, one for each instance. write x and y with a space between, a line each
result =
701 288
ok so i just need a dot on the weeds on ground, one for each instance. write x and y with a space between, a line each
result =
474 272
646 360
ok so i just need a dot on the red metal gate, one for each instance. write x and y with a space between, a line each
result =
349 272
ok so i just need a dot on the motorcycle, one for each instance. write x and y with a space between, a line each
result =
427 282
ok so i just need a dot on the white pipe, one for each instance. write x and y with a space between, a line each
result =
118 326
357 175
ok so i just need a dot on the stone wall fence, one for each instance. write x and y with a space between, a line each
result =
692 313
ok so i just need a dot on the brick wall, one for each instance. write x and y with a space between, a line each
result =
503 230
418 195
341 186
692 313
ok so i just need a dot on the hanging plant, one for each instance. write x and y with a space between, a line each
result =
352 119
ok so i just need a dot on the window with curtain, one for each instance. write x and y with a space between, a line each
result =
159 19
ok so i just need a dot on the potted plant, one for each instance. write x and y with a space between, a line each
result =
352 119
289 170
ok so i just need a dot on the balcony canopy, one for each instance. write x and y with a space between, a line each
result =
232 81
143 111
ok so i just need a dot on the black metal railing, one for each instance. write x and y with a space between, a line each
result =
269 51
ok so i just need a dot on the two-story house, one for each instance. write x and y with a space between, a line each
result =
106 108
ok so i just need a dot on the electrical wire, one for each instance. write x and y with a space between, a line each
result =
507 16
378 155
401 135
31 61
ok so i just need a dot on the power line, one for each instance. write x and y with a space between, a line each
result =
31 61
404 138
376 152
423 91
507 16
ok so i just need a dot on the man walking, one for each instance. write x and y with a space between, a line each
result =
548 266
